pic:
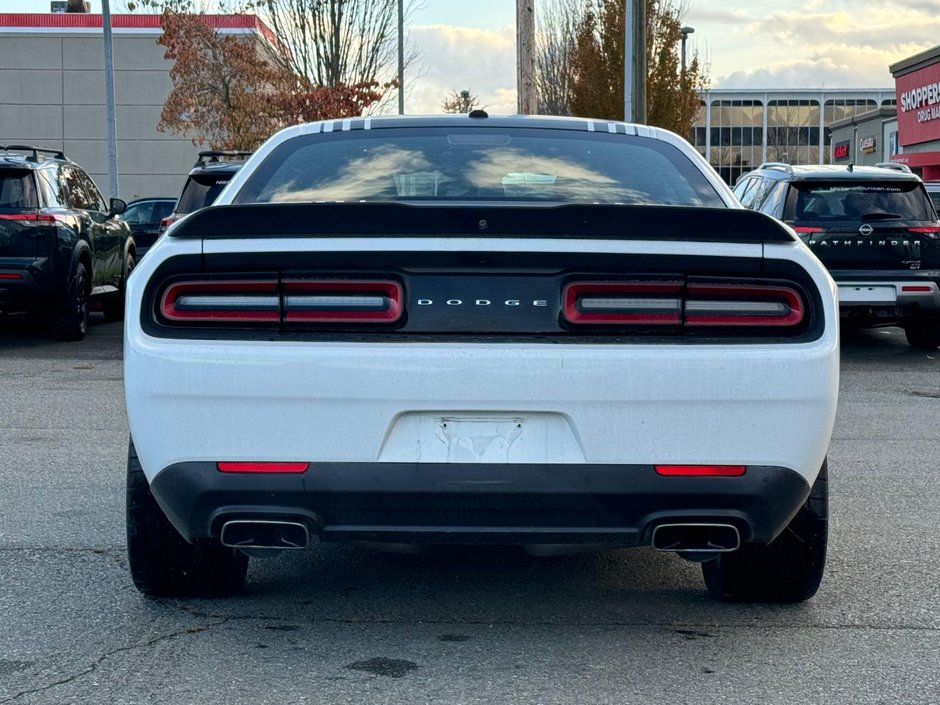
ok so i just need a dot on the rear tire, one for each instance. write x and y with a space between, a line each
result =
789 569
162 562
72 321
923 335
113 308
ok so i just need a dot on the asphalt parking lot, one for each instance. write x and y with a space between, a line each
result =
347 625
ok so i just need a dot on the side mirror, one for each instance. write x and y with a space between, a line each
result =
117 206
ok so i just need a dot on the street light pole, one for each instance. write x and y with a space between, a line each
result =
686 31
401 57
110 119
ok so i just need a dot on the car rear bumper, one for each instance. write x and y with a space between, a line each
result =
891 295
479 503
22 286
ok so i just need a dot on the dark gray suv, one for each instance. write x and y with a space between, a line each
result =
874 228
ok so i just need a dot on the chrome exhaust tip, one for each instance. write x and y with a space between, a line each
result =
696 538
265 534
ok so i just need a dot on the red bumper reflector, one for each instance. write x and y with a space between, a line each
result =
700 470
262 467
10 276
916 288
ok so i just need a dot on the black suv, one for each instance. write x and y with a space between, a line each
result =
61 246
874 228
210 174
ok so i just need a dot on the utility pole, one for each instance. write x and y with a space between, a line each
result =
111 120
401 57
634 61
525 57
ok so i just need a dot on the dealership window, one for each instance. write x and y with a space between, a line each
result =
736 136
793 131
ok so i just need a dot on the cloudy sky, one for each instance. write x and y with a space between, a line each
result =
747 43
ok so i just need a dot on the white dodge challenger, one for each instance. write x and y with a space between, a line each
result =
556 333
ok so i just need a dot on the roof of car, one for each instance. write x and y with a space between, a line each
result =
142 199
29 156
830 172
479 118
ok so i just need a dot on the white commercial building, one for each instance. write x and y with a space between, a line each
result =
52 94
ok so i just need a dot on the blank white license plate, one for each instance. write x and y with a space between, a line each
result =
868 294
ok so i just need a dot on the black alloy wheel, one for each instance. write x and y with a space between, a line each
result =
72 322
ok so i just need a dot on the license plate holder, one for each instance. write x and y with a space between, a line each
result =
867 294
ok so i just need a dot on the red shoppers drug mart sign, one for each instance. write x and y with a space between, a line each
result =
919 105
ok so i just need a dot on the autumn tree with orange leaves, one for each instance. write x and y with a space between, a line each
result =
597 65
235 91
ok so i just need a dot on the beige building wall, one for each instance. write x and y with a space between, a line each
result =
52 94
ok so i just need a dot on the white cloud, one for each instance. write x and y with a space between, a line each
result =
812 43
457 58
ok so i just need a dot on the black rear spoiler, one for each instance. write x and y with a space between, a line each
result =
606 222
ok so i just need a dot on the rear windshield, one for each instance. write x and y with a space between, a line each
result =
859 200
201 191
18 189
441 164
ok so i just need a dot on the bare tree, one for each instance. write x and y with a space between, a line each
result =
557 24
462 102
335 42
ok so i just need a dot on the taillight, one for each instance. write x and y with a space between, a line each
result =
10 275
167 222
696 304
807 229
251 300
916 289
32 218
926 230
342 301
623 303
742 305
244 301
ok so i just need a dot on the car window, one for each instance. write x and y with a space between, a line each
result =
47 178
161 209
741 187
18 189
201 191
935 199
773 203
82 192
93 196
444 164
139 212
753 190
859 200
